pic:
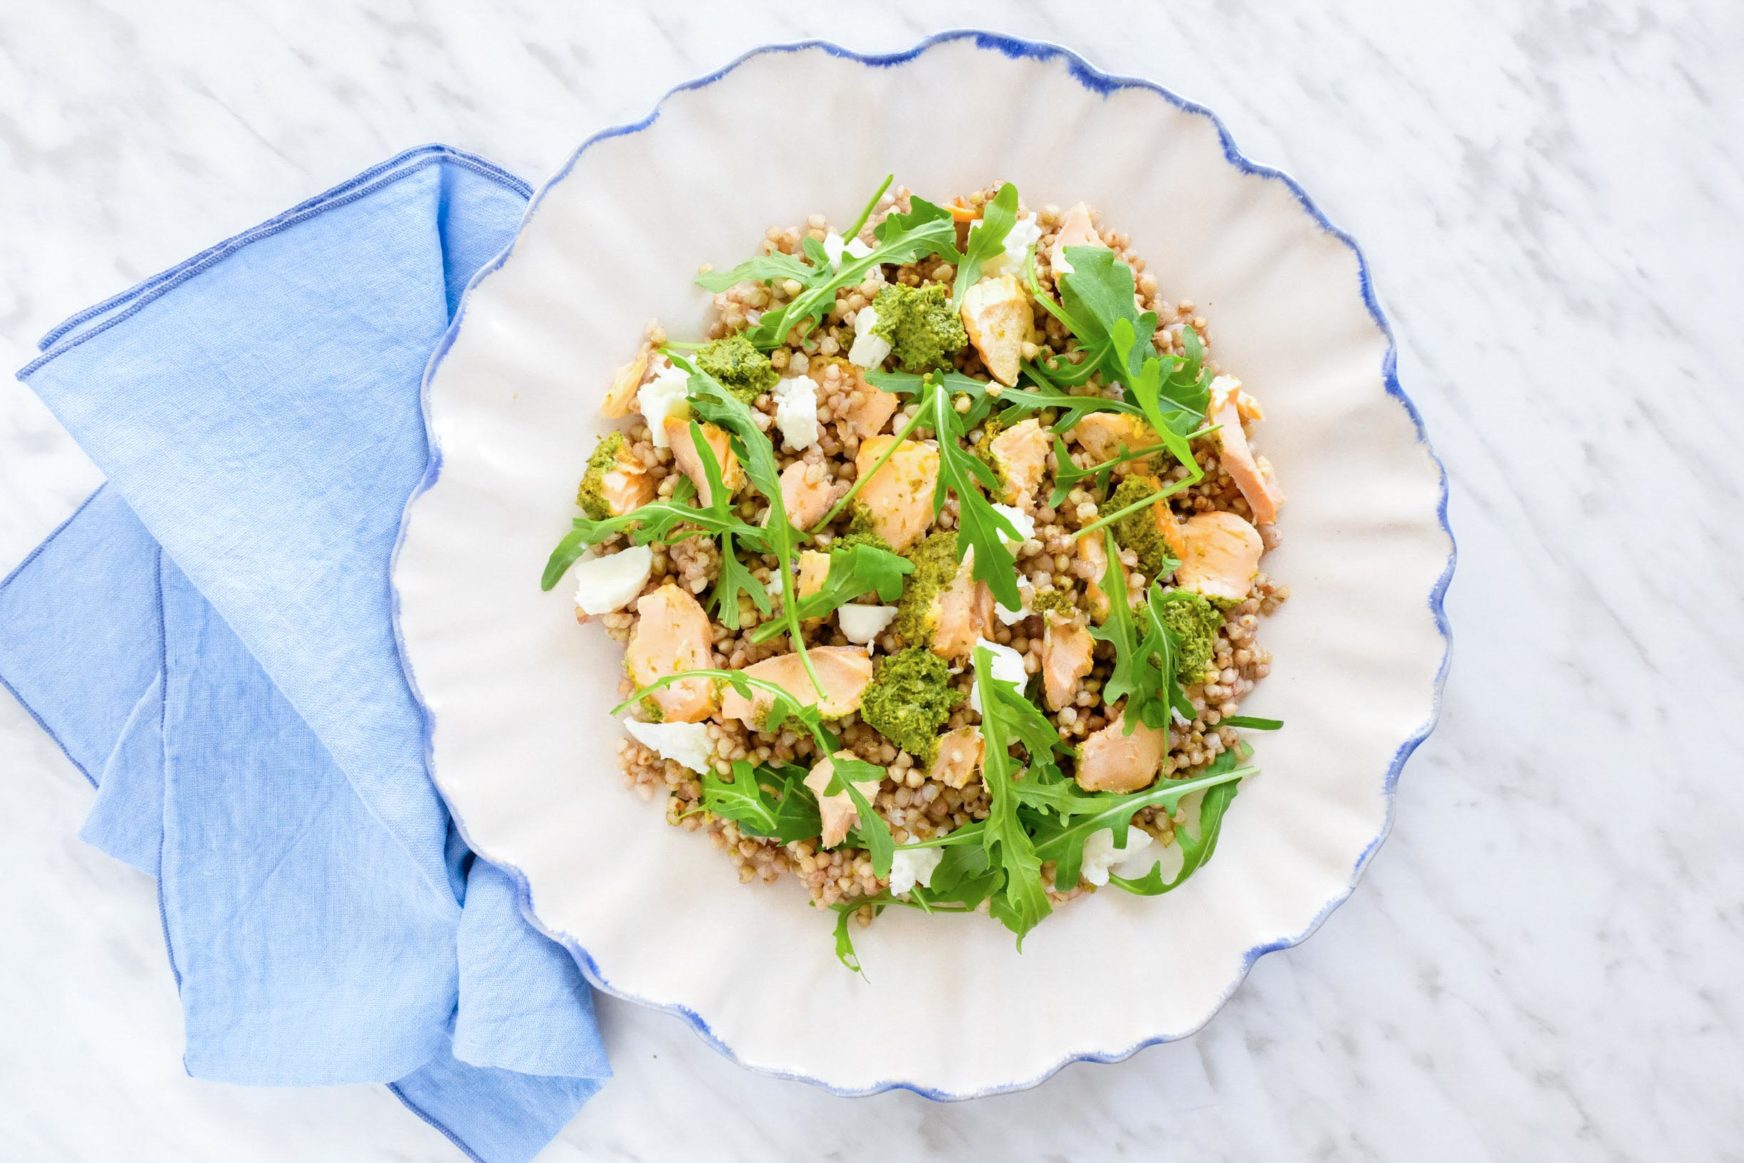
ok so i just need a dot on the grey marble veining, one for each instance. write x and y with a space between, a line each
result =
1546 959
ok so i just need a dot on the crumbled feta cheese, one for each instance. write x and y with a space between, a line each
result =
688 743
1020 520
861 624
912 866
604 584
796 411
835 247
1026 593
1100 855
869 350
1006 666
1024 233
660 397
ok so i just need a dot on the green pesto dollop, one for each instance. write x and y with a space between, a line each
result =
1138 530
1060 600
860 533
1195 620
588 495
910 699
739 367
918 321
935 564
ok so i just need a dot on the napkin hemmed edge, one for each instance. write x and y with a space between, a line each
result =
116 308
436 1124
18 695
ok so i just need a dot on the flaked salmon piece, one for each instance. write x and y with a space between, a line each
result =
1067 650
1020 456
1092 567
690 464
805 500
1105 435
1111 760
621 396
837 811
998 319
869 409
899 498
963 612
672 635
1252 474
1220 555
1076 229
844 672
627 484
814 567
959 757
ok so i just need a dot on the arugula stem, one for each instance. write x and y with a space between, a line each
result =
1142 502
860 481
860 222
825 740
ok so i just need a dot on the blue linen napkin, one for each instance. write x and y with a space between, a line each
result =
209 639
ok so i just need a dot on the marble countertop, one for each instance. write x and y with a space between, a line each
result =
1547 958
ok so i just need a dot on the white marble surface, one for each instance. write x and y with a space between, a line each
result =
1546 960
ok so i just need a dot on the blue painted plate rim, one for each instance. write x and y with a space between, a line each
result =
1097 81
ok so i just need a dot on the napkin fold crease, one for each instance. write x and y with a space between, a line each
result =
209 639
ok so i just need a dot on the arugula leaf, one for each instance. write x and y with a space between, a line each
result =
1135 675
1062 841
901 238
658 520
1096 295
714 403
1030 728
1021 902
734 578
925 229
844 939
1152 390
770 802
980 527
873 833
765 268
854 570
986 240
1196 850
1014 402
1251 723
964 877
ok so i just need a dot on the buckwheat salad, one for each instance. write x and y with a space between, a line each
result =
936 563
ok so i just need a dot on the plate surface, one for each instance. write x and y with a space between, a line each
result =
522 747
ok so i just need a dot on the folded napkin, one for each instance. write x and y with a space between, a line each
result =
210 640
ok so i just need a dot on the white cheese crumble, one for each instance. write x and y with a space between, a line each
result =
912 866
869 350
660 397
604 584
835 248
1101 856
688 743
861 624
1006 666
1020 520
796 411
1026 593
1024 233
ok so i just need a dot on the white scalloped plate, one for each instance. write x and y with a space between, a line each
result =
521 744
